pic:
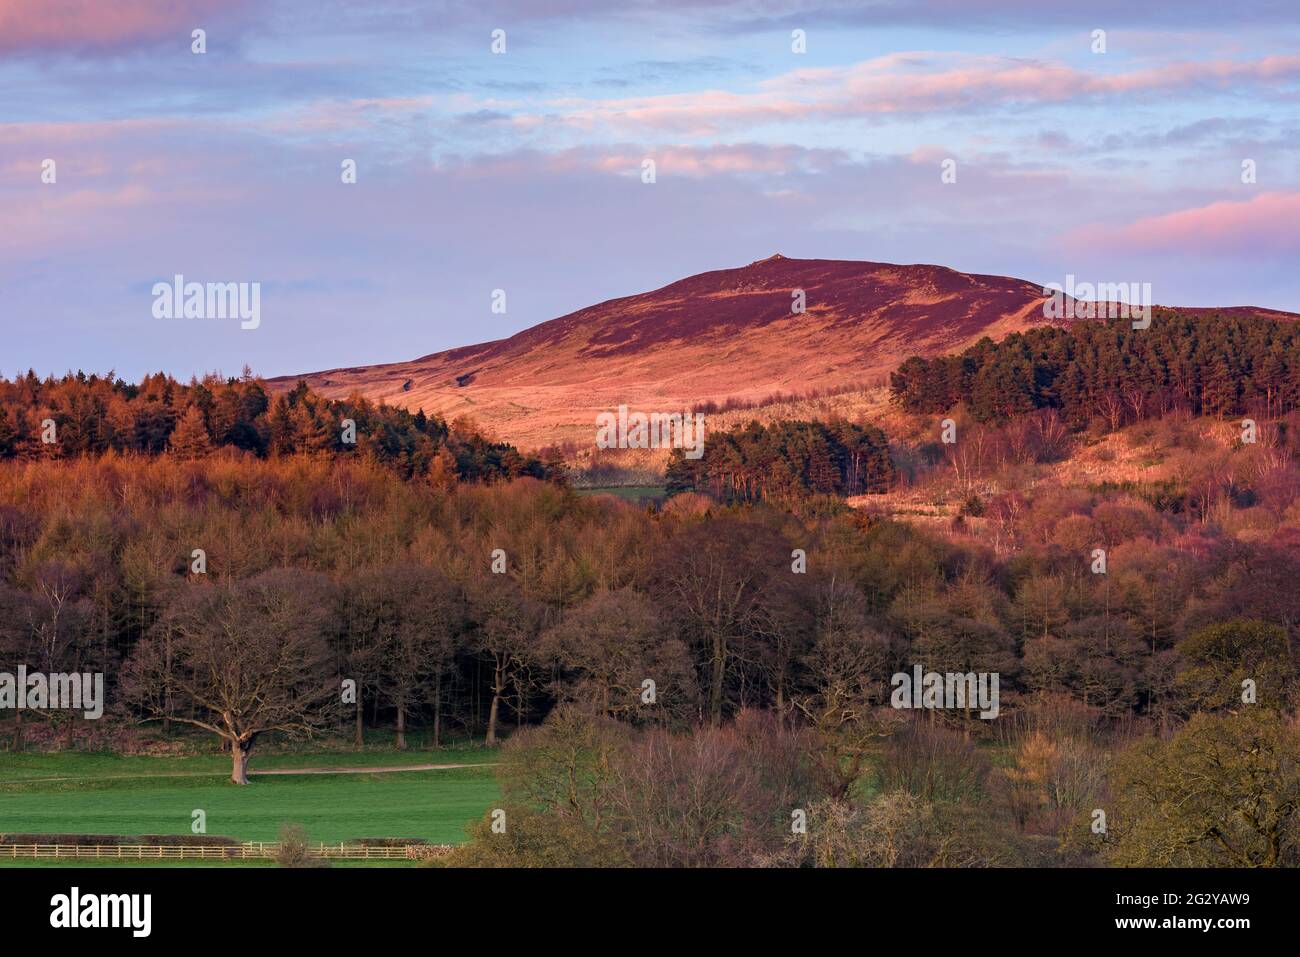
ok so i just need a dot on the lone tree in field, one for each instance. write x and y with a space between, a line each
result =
241 659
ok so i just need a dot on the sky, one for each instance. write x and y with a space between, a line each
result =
522 170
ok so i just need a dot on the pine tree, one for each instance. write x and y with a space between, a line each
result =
442 470
8 435
284 432
190 439
1219 394
315 435
681 474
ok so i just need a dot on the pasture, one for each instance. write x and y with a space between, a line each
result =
106 794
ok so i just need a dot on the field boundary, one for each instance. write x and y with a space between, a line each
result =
224 773
249 850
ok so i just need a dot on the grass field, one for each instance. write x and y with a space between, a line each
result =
633 493
104 794
126 862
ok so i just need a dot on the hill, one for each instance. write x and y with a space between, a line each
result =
725 335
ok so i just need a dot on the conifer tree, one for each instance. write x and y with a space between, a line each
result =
190 439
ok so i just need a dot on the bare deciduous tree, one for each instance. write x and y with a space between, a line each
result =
245 659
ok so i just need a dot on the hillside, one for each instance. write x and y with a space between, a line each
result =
718 335
726 334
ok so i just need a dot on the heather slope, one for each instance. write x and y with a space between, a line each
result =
726 334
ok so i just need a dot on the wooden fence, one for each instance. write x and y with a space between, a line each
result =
251 850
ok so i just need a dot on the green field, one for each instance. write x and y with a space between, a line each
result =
633 493
129 862
104 794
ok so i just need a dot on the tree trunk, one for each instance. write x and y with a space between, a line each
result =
437 712
18 730
239 762
492 720
401 722
359 736
498 686
167 693
719 671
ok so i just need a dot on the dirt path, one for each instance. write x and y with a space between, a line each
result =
376 770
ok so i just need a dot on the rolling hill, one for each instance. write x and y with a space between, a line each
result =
726 334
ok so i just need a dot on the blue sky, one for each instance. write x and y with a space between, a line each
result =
521 171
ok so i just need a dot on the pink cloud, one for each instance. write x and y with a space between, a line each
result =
917 83
718 160
80 131
694 162
102 25
1266 224
47 219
